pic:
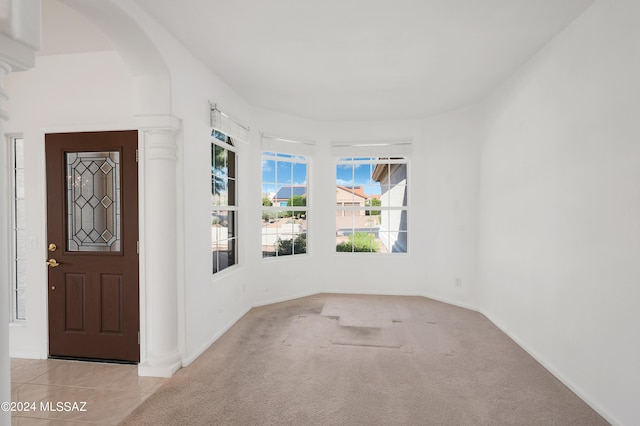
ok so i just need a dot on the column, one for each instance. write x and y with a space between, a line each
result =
160 253
5 314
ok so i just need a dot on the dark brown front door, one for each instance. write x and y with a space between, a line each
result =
92 227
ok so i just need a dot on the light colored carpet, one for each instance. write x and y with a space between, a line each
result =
364 360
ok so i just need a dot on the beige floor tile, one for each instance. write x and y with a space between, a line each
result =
27 371
18 361
14 390
98 375
111 391
102 406
156 386
30 392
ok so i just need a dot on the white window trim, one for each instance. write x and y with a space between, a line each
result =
13 224
295 158
404 159
233 148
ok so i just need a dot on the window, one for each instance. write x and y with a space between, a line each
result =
371 205
18 246
284 204
224 245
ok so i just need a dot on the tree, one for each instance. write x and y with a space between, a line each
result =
266 202
297 201
219 170
373 202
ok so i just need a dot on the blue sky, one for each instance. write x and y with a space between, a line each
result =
292 173
276 174
357 175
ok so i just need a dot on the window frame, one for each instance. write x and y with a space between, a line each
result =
373 160
15 283
283 156
229 144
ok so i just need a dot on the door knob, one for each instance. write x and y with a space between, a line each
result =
53 247
52 263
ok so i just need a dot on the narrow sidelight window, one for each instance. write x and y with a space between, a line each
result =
18 238
224 246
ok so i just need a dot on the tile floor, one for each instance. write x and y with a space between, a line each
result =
111 392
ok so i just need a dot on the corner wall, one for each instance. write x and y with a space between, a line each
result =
560 208
443 186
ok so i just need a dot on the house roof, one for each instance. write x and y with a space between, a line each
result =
379 172
356 190
287 192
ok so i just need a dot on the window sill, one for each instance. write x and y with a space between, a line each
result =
223 274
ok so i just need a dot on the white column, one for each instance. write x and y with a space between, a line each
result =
5 311
160 253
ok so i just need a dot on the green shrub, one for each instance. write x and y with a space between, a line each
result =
299 245
268 215
373 202
359 242
297 201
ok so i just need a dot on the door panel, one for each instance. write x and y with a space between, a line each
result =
111 302
74 302
92 227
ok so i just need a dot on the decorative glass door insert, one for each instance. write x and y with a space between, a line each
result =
93 201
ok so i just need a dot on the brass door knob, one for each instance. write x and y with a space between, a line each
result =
52 263
53 247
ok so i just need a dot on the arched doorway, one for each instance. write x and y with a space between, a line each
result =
149 91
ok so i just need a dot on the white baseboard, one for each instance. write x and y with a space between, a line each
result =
187 361
146 370
372 293
549 367
284 299
26 354
406 293
450 302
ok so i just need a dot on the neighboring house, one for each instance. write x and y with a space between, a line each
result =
287 192
349 196
346 196
393 180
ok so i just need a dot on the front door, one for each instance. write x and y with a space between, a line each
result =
92 258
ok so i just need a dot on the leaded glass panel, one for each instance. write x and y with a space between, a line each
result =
93 201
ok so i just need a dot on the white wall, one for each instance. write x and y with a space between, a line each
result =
211 303
84 92
443 190
277 279
560 208
442 198
446 177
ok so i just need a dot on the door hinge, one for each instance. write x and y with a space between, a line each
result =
137 155
138 247
138 337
